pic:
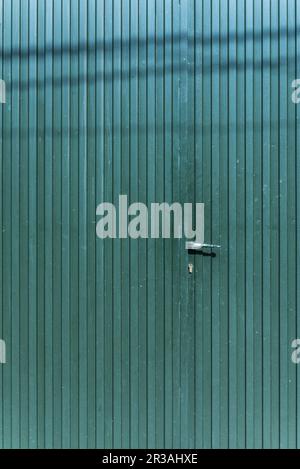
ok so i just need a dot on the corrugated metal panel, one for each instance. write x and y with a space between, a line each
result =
112 343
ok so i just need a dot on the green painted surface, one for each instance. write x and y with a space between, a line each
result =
113 343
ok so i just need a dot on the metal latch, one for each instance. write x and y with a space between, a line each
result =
192 246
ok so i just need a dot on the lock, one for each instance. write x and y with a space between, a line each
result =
190 268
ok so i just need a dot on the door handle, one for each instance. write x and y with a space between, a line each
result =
192 246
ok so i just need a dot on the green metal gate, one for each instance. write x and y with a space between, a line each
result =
113 343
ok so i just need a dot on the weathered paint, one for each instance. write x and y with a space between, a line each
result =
2 92
114 343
